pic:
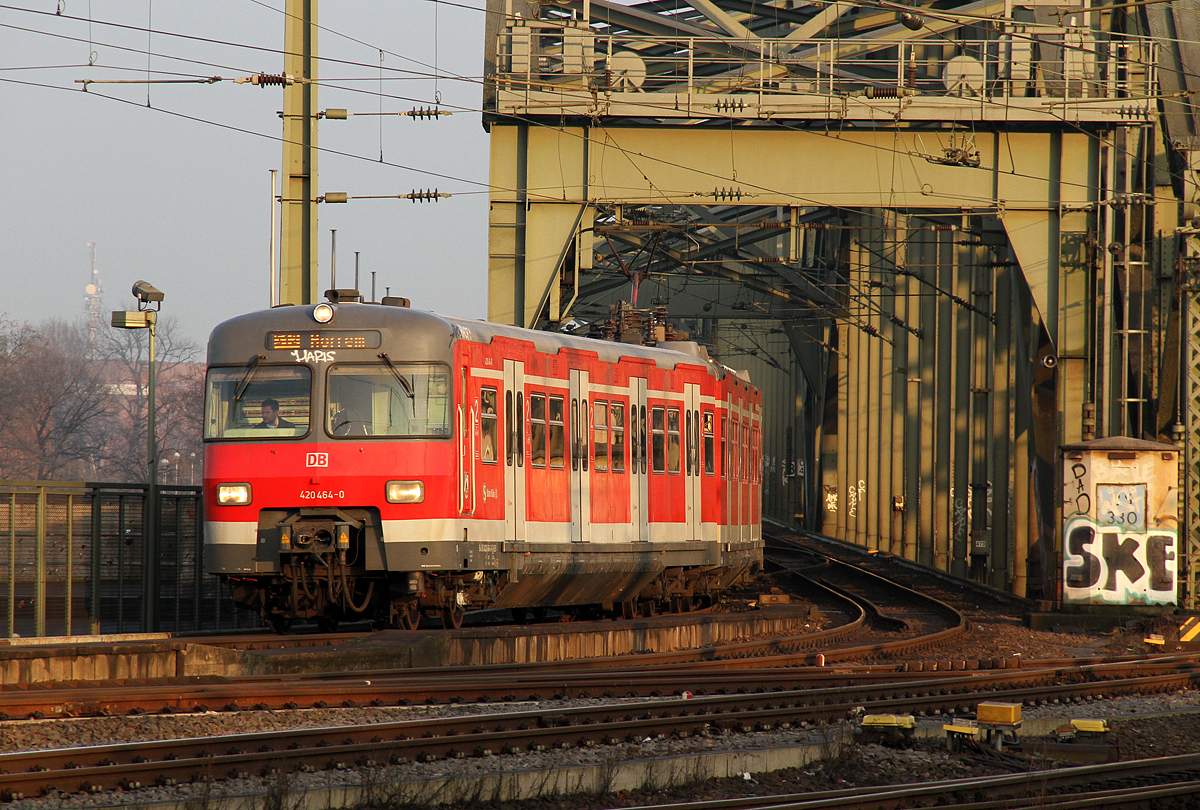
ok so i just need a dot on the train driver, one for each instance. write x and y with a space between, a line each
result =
271 417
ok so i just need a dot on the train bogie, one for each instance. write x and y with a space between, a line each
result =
371 461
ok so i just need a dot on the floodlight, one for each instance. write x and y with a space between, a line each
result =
146 292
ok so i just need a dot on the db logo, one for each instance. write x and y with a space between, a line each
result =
317 460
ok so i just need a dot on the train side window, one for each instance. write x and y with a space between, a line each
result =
520 430
745 452
575 439
708 443
617 423
694 424
673 440
489 426
556 430
537 430
658 440
509 444
583 429
756 459
687 426
643 444
600 434
732 459
633 439
724 446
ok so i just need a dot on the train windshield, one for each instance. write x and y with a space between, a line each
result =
257 402
398 400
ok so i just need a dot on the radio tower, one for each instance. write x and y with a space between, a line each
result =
93 303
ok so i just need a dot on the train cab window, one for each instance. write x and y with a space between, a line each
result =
537 430
257 402
489 426
708 443
397 400
658 440
600 434
617 424
673 440
557 433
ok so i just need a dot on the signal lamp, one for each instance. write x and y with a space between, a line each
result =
323 313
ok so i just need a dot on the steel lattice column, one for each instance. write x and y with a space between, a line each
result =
1190 277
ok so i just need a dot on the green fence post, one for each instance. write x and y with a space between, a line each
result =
40 572
97 562
12 564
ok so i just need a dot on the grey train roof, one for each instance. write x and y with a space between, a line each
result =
427 334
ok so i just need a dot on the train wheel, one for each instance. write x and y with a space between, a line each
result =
648 608
628 609
408 616
280 624
452 617
326 624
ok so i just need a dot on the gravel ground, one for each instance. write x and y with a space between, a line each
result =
992 636
858 765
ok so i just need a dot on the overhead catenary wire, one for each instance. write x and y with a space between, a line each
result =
488 185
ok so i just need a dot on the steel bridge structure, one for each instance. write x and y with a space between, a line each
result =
945 239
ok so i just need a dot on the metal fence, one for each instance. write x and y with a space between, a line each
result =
74 560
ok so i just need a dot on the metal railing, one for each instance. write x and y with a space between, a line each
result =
1072 63
74 561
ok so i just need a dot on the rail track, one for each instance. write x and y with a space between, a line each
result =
1149 783
129 765
708 695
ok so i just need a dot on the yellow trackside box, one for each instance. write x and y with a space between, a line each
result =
880 721
999 714
1090 726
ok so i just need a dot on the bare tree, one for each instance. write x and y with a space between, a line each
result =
53 398
178 400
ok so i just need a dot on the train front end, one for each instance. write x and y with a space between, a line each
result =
323 423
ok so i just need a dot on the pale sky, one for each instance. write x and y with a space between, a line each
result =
179 193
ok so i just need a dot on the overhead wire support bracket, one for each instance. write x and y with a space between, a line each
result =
205 80
427 195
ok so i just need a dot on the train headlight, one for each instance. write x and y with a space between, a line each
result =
405 491
233 494
323 313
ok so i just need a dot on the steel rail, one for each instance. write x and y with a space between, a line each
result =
1008 791
392 689
95 767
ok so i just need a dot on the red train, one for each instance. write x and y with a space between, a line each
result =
371 460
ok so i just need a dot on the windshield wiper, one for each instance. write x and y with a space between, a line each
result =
405 384
247 377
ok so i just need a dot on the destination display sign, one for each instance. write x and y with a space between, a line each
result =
324 340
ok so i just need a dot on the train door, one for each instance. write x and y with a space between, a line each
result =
581 495
514 451
691 462
638 495
466 444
